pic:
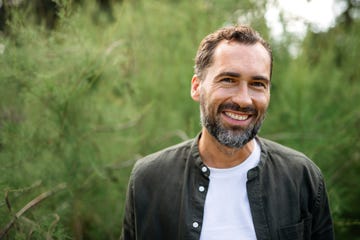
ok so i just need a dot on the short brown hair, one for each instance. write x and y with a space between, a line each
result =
241 33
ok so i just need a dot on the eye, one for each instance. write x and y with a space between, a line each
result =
227 80
259 84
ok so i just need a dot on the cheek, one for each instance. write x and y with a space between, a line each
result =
203 103
208 105
261 101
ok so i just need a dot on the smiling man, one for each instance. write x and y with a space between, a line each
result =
228 183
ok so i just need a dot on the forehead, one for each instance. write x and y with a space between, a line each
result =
246 58
241 50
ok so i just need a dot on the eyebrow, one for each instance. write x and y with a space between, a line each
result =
234 74
228 74
259 77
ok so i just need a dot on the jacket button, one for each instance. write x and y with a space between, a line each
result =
204 169
195 224
201 189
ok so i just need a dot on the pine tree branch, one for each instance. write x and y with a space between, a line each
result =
30 205
18 192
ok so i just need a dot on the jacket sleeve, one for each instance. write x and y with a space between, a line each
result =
322 224
128 228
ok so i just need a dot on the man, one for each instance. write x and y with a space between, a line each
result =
227 183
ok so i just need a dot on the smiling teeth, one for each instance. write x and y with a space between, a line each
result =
236 116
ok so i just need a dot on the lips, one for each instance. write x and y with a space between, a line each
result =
239 117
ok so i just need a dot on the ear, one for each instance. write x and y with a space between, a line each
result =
195 88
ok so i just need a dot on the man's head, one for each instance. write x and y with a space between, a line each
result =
241 34
232 84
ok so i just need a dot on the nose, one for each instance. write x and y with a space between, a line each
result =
242 96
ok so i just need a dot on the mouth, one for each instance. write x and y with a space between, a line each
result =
238 117
234 116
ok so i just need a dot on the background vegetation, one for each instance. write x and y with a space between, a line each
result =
88 87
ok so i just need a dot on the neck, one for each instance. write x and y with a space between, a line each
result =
216 155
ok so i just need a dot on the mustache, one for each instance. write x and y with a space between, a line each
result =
236 107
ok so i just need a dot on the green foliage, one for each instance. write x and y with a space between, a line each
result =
81 102
51 125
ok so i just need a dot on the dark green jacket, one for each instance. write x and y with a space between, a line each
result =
286 193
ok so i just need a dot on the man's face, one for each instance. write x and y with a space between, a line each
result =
235 92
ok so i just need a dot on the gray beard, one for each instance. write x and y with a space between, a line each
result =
233 138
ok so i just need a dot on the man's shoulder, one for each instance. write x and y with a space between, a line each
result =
273 147
169 156
287 156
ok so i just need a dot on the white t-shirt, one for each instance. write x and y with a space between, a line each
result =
227 213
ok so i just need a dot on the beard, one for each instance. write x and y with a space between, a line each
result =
233 137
